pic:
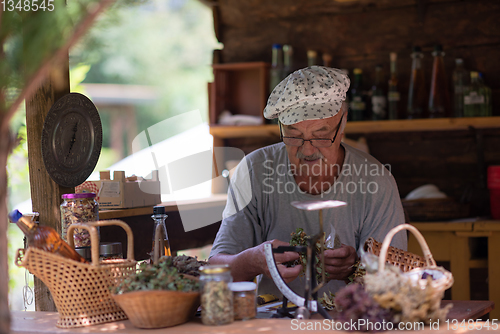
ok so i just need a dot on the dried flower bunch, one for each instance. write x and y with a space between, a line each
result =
184 264
161 276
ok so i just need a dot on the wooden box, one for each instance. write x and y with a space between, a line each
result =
241 88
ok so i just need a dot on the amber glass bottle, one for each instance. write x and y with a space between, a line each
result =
417 96
44 237
439 96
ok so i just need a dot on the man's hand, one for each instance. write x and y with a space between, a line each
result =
288 274
339 262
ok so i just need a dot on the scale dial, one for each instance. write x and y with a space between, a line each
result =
71 140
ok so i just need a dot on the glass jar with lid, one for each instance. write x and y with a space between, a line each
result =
78 208
216 297
244 300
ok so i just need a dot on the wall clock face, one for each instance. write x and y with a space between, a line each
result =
71 140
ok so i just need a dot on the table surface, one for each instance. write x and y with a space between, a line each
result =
45 323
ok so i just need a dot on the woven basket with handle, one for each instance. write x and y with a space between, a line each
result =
442 278
81 291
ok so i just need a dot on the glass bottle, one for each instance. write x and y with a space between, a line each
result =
44 237
417 95
216 296
439 97
327 60
487 93
393 93
460 82
287 60
312 58
379 100
357 104
474 97
78 208
276 71
161 245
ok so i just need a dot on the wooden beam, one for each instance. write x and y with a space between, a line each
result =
45 193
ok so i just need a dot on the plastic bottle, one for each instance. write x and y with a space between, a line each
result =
161 245
379 99
460 82
357 104
393 93
417 95
439 97
276 71
44 237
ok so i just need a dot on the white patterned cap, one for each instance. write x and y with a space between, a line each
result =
315 92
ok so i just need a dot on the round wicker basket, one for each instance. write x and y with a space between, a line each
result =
158 308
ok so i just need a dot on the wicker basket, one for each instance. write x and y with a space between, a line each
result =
81 291
442 278
158 308
404 260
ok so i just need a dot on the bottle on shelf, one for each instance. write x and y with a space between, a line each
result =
439 97
312 57
474 97
287 60
378 96
161 245
417 95
327 60
357 103
44 237
276 71
487 93
393 93
460 82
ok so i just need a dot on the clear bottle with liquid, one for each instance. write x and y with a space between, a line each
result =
475 99
417 95
393 96
379 99
487 92
161 244
44 237
460 82
439 97
287 60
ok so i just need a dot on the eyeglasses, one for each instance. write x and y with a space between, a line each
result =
316 142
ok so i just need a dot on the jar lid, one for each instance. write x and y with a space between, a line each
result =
107 248
215 269
84 252
242 286
79 195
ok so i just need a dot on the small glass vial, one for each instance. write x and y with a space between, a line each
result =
161 245
244 300
78 208
216 297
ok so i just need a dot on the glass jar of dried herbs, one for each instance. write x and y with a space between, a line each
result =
244 300
216 297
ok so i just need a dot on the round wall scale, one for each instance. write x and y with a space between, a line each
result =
71 139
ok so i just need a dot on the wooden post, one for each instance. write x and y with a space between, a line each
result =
45 193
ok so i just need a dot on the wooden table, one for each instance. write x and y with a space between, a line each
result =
45 323
449 241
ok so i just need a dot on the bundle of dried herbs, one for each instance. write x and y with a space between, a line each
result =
161 276
184 264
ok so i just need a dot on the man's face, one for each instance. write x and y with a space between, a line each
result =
307 159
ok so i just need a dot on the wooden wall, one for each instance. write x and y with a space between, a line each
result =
362 33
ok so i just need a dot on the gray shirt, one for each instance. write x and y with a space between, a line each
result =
258 207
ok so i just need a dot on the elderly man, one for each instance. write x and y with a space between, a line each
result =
310 164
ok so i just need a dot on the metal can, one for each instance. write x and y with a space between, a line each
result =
78 208
244 300
216 297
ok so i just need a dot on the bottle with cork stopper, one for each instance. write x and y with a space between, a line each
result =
161 245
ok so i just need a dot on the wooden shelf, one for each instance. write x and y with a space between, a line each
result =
438 124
